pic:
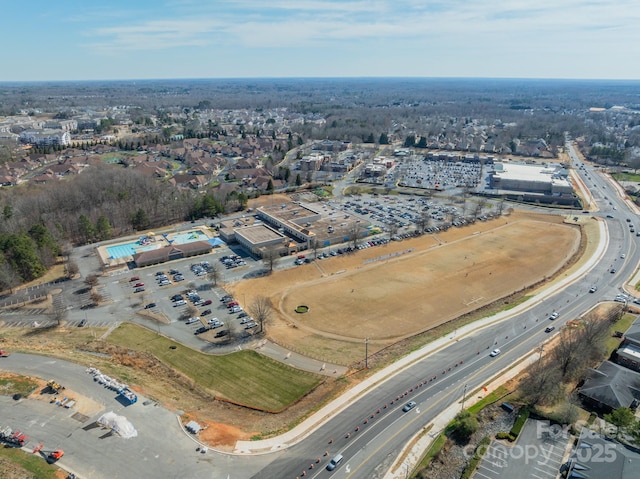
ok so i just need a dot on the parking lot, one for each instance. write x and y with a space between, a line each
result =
538 454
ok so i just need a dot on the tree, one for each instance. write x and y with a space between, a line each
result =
214 274
9 277
314 244
567 355
298 180
91 280
96 297
542 384
71 269
261 310
270 254
103 228
140 220
410 141
370 139
463 426
270 186
384 139
621 418
86 228
354 234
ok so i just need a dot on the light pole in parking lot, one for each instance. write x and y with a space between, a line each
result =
366 353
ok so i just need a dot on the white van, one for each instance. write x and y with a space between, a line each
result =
333 463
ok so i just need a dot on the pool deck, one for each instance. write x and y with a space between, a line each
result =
110 264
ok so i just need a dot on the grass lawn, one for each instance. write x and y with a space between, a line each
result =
621 325
11 460
244 377
17 385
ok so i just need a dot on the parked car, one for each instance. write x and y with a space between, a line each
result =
180 302
82 323
243 314
138 285
207 302
150 305
250 324
138 290
200 330
176 297
409 406
193 319
221 333
235 309
247 319
135 278
205 312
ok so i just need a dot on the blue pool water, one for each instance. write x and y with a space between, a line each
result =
128 249
190 237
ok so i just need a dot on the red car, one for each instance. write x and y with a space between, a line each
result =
135 278
232 304
138 285
207 302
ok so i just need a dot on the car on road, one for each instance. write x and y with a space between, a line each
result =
409 406
554 315
494 353
549 329
150 305
623 256
612 270
333 463
593 289
138 290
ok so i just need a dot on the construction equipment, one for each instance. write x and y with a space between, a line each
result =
53 386
13 438
53 456
4 354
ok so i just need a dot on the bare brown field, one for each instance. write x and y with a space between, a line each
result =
437 279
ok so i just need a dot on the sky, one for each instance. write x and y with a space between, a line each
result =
46 40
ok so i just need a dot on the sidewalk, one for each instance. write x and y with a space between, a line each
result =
305 428
299 361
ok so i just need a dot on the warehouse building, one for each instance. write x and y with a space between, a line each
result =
539 179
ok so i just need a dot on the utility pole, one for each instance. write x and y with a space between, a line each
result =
366 353
464 396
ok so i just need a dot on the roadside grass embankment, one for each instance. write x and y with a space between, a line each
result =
244 377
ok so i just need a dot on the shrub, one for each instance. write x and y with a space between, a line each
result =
477 457
505 435
463 426
523 415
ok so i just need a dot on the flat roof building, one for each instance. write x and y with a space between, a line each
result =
541 179
257 238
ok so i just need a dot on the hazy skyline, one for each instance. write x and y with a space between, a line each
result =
145 39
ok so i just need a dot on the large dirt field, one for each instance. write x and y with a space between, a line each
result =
436 278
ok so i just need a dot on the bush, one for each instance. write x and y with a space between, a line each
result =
463 426
477 457
523 415
505 435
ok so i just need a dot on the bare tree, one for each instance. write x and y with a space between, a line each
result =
568 355
71 269
542 383
269 255
96 297
9 277
354 234
91 280
261 310
423 221
315 245
214 274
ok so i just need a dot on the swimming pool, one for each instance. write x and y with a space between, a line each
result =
189 237
128 249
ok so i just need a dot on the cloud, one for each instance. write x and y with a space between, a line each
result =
311 23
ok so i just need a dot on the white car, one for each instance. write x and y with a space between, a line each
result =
192 320
494 353
554 315
180 302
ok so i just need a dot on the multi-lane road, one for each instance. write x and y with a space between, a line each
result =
372 430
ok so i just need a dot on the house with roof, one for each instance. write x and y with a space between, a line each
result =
610 387
597 457
628 354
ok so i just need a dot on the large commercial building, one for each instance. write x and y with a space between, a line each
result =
46 137
540 179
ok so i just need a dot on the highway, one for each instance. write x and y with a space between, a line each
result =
370 435
372 430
